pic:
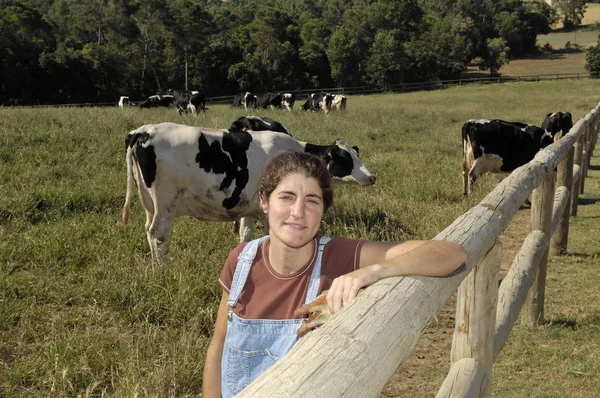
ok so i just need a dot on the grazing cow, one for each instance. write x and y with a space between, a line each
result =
189 100
155 101
124 101
270 100
558 122
237 100
289 99
497 146
256 123
339 102
246 99
316 102
212 175
250 101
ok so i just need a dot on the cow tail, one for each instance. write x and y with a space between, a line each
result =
130 182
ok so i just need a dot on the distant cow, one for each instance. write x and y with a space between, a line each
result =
186 100
316 102
498 146
256 123
270 100
245 99
558 122
338 102
155 101
212 175
289 99
124 101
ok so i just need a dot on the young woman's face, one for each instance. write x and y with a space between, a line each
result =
294 210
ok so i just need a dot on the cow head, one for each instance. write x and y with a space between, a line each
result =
345 166
558 122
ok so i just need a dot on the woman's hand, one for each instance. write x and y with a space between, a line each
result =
342 291
346 287
318 313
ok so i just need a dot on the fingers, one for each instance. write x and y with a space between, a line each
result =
306 309
343 290
320 315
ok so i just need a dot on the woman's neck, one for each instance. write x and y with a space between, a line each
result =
288 260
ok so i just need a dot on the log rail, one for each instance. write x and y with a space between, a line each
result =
359 349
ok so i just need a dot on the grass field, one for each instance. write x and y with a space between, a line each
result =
546 65
84 313
592 14
558 39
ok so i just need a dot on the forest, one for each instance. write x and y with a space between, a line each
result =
74 51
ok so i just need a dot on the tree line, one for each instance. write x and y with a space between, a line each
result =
70 51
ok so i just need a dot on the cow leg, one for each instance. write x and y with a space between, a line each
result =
164 213
468 164
246 229
158 234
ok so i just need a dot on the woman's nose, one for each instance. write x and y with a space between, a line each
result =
298 209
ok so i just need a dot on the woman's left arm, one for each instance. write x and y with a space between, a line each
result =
380 260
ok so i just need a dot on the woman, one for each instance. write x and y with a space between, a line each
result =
265 280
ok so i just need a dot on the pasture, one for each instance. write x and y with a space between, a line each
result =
84 312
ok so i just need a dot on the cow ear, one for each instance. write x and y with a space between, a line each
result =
356 149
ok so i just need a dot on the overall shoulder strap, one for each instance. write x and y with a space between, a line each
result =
315 277
243 269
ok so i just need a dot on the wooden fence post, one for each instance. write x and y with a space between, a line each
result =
560 238
541 219
476 316
577 165
584 156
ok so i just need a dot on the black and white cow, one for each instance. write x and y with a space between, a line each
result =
289 99
498 146
245 99
316 102
558 122
339 102
270 100
155 101
186 100
212 175
124 101
256 123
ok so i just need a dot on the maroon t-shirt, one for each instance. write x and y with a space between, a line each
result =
270 295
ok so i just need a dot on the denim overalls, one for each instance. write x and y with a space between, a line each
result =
253 345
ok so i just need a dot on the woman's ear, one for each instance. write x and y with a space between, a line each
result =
263 203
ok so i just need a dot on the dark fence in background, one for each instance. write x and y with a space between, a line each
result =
365 90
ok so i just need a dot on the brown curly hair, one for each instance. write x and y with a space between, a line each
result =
286 163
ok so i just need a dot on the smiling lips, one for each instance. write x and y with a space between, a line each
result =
294 225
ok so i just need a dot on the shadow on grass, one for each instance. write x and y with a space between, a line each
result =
587 201
584 255
562 322
593 167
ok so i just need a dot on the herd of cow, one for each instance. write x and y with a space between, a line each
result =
314 102
194 101
212 174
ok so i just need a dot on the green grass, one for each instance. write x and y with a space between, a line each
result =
559 39
82 309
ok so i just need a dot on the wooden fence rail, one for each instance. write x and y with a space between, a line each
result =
358 350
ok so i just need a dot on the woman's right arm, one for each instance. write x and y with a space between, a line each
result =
211 386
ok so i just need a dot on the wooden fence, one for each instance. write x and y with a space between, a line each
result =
359 349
